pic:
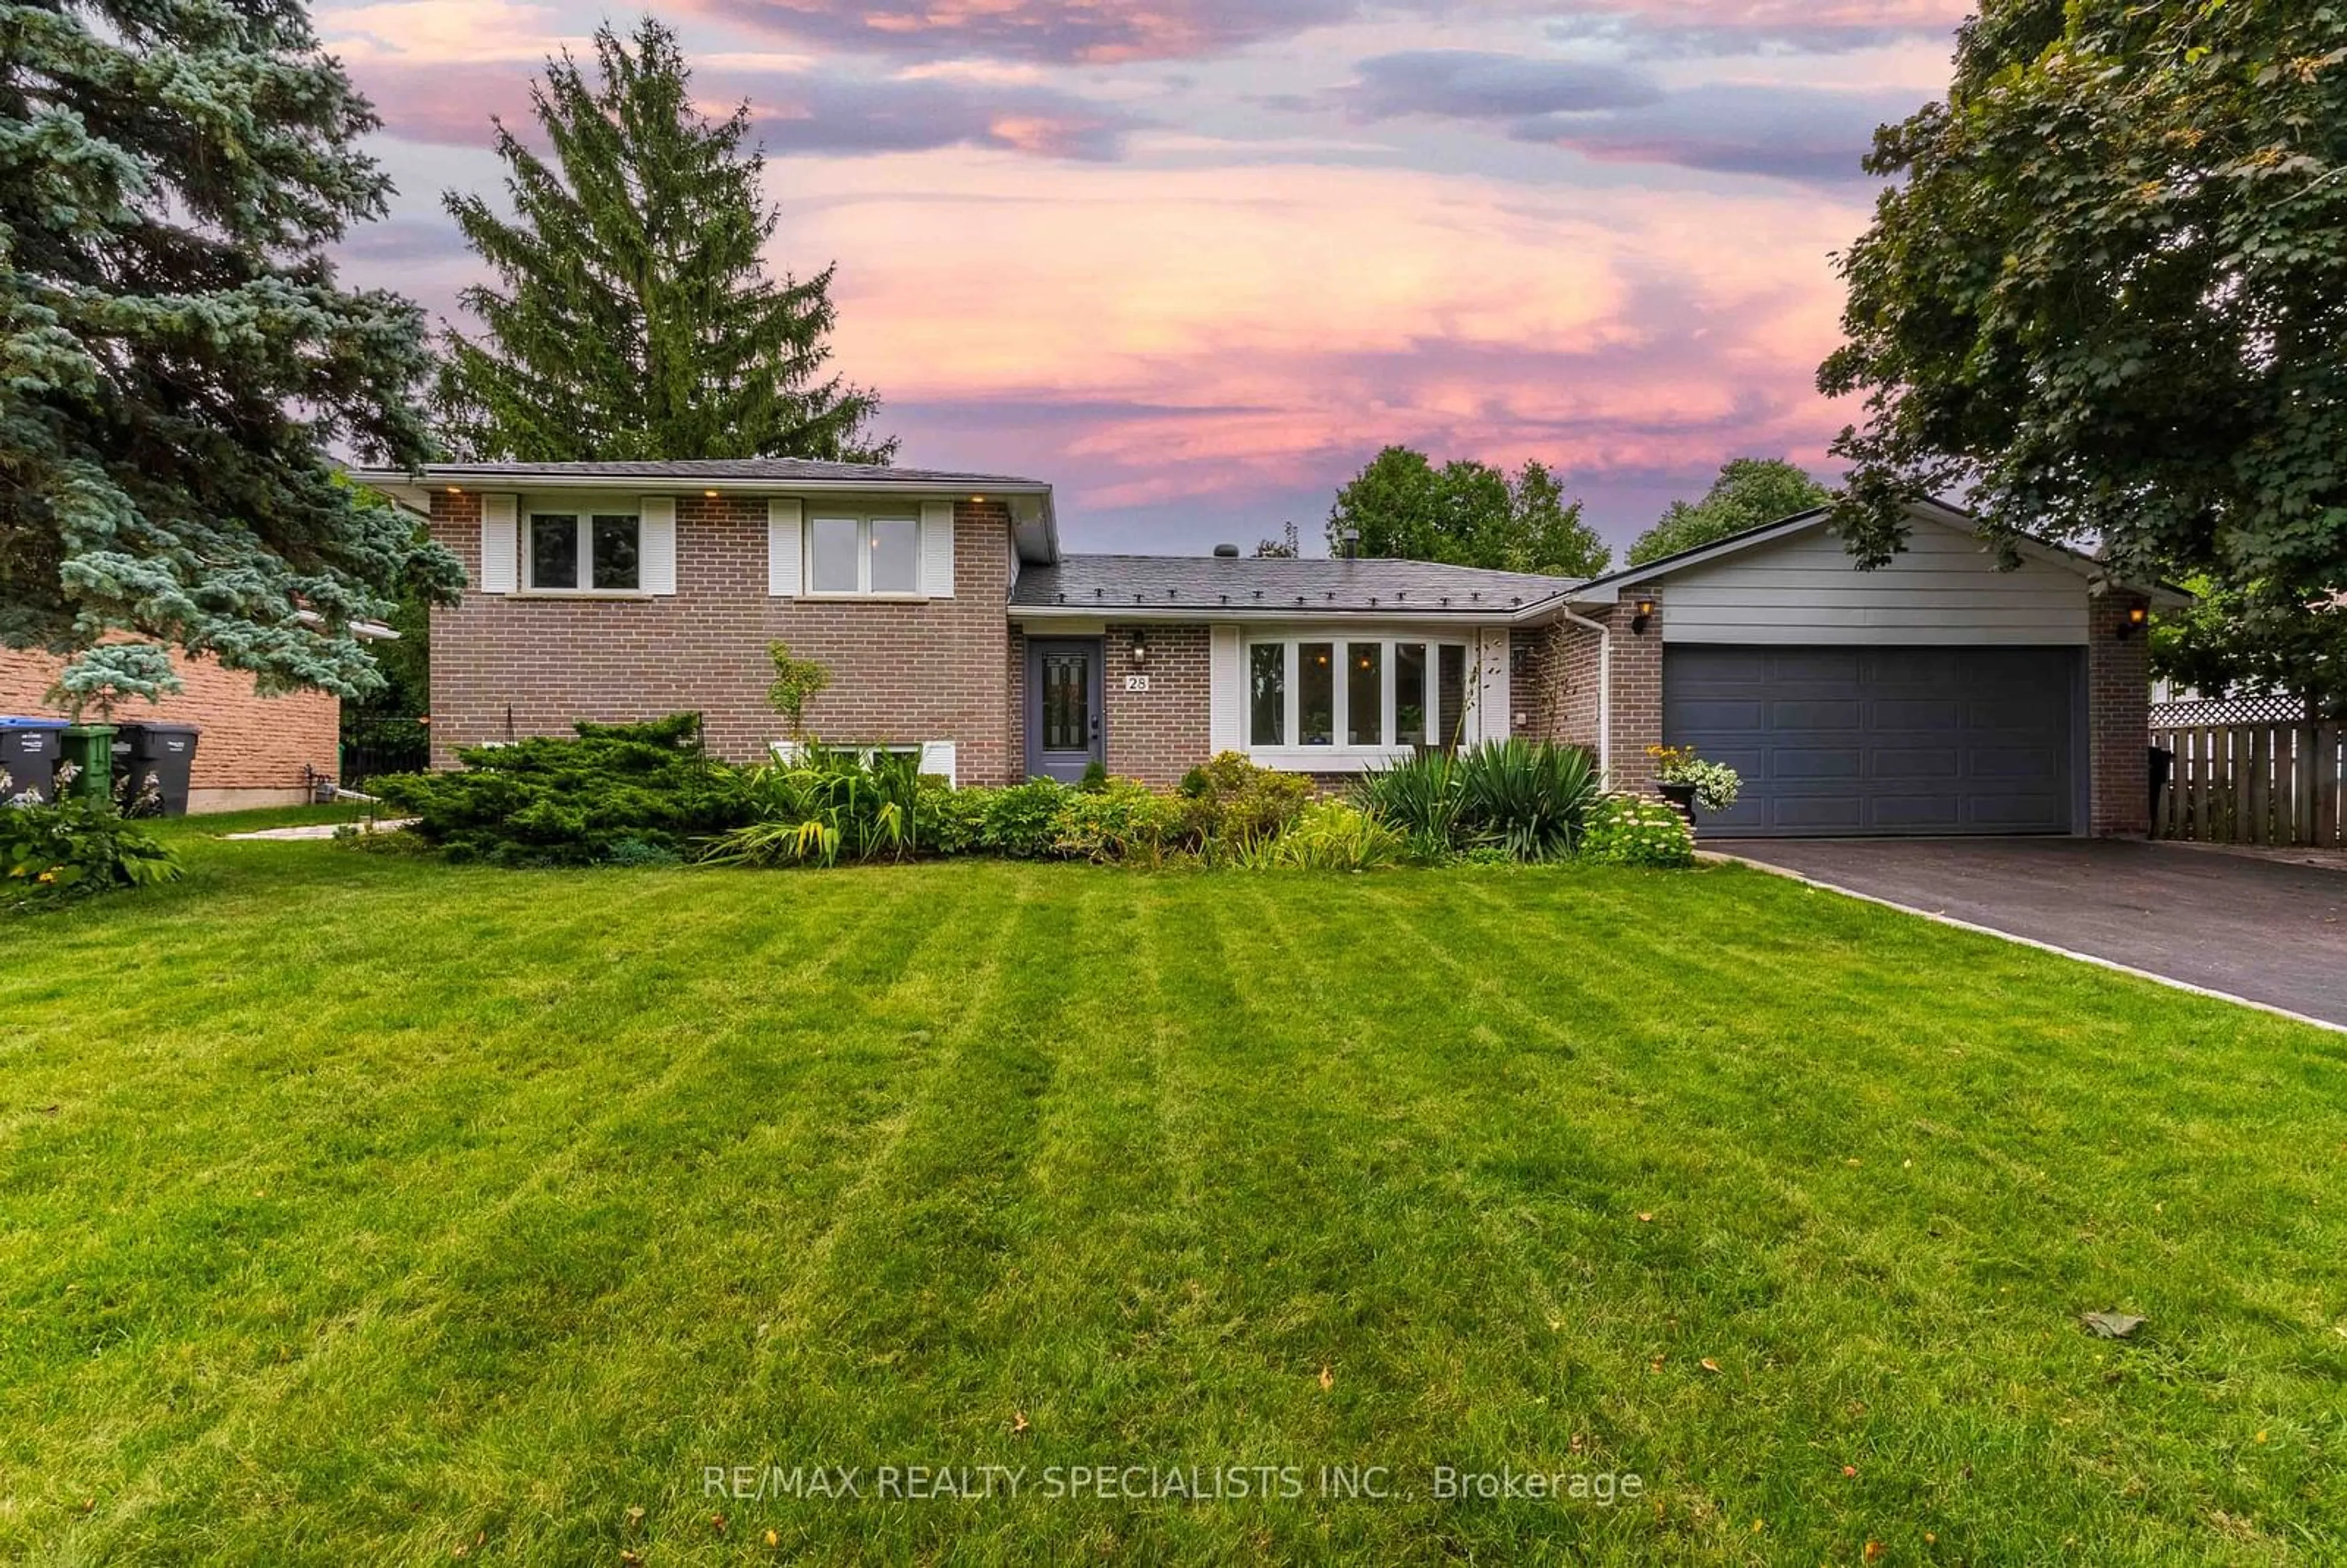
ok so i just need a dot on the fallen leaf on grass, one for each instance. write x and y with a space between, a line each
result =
1849 1469
1645 1219
1327 1378
1874 1550
717 1522
1708 1365
774 1538
1018 1420
2112 1324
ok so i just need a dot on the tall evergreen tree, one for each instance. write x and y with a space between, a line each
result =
175 354
633 318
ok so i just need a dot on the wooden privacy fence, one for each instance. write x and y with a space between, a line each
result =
2274 784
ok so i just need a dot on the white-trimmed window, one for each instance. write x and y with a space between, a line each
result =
583 551
1355 694
878 553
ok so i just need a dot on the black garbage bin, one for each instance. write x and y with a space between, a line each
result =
167 751
29 748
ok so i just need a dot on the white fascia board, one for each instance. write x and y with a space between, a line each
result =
1362 620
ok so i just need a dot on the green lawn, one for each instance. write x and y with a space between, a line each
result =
358 1210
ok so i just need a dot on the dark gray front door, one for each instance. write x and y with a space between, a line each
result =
1063 707
1880 741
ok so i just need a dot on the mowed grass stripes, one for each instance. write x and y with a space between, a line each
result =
360 1209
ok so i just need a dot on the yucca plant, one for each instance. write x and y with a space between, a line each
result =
824 805
1529 799
1419 798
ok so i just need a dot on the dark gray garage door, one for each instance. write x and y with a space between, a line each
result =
1880 740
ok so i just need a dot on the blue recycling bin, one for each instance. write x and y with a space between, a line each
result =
30 748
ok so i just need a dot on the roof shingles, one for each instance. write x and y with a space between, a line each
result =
1108 582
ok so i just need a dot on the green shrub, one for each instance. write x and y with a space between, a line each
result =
73 848
1333 835
949 821
825 806
1023 820
1230 802
1095 777
556 800
1630 830
1121 820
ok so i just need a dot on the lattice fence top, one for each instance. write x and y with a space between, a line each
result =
2229 711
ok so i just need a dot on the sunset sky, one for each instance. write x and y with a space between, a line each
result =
1193 263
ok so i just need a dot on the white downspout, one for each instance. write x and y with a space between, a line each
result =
1605 692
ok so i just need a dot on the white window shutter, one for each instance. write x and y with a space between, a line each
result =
498 543
1494 722
937 549
937 757
656 544
785 556
1225 691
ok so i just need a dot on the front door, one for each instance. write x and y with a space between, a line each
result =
1063 708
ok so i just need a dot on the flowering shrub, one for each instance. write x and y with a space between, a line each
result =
1629 830
1716 784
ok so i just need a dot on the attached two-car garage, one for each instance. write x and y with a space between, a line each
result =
1881 740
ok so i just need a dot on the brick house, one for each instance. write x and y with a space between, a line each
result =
1938 694
254 750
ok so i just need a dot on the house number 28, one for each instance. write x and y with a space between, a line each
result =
1136 682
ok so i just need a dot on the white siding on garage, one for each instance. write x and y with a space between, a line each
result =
1942 588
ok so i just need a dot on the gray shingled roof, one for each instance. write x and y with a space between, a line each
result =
1268 583
777 470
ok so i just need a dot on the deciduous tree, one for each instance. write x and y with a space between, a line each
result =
1465 514
2106 301
1750 492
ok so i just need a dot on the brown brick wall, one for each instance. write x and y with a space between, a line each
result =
900 671
252 749
1157 735
2119 720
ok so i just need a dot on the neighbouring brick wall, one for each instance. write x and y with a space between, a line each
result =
253 748
2119 720
1157 735
901 671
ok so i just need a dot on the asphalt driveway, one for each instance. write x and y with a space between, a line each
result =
2270 932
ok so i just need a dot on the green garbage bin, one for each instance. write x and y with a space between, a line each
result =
90 749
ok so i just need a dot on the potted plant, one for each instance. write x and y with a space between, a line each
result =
1686 781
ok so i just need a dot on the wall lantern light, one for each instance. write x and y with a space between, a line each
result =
2137 615
1642 610
1139 647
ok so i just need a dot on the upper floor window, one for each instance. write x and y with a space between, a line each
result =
594 550
864 555
1355 694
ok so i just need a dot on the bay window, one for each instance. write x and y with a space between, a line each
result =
1355 695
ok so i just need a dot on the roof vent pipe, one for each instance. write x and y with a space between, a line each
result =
1226 552
1349 543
